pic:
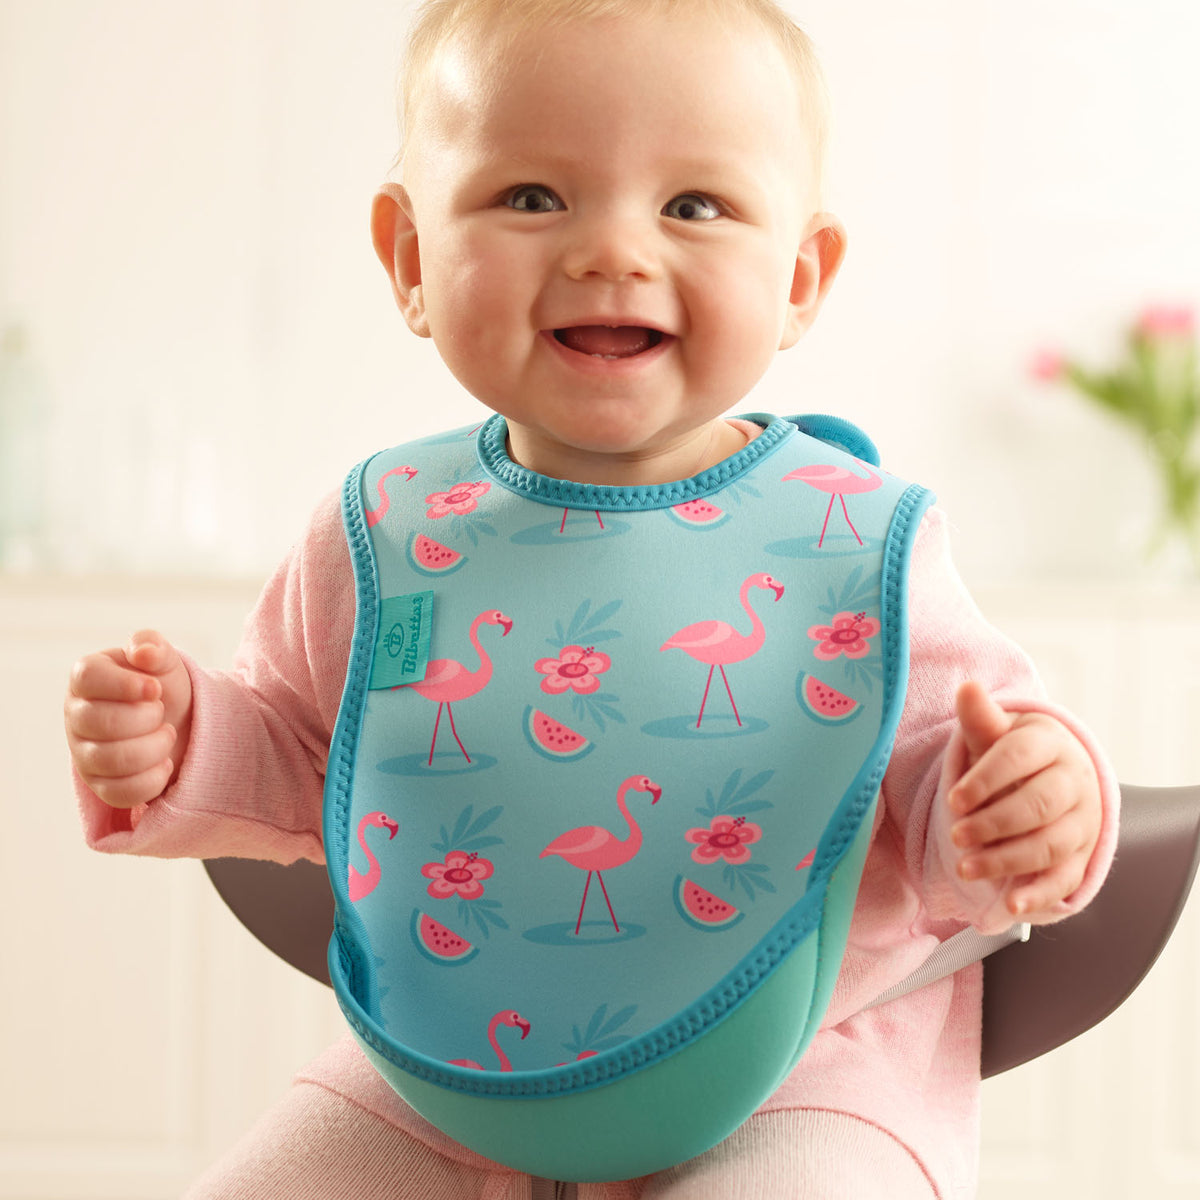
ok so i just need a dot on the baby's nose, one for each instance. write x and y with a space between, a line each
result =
611 249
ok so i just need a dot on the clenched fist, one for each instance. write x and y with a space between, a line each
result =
128 714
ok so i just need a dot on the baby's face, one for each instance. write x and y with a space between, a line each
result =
608 234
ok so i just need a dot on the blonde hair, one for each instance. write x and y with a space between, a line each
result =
439 23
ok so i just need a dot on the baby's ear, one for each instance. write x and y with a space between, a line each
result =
395 239
817 262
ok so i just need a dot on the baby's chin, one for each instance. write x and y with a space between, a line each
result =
621 452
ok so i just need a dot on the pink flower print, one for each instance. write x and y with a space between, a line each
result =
849 635
727 837
461 874
576 668
461 499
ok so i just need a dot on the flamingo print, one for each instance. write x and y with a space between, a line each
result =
375 515
507 1017
718 643
593 849
360 884
837 483
447 680
563 523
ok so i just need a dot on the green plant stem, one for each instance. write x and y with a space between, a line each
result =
1181 485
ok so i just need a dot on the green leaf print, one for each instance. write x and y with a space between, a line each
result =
750 877
855 594
586 627
467 831
482 913
734 799
601 1033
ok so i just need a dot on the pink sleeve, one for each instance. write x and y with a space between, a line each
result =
951 642
251 782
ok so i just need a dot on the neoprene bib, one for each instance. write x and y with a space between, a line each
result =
602 783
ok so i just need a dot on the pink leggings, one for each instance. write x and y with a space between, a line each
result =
317 1145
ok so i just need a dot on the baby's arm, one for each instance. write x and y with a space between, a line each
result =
952 645
1027 799
250 782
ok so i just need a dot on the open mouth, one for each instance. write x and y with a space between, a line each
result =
609 341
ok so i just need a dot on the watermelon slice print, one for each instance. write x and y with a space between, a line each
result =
698 514
439 944
824 703
701 909
430 557
552 739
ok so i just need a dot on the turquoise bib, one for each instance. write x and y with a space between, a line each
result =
602 783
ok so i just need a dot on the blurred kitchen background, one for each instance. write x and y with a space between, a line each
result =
196 342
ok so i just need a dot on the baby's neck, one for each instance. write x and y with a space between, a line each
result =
704 448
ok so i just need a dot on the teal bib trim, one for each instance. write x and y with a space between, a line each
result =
424 950
835 431
561 492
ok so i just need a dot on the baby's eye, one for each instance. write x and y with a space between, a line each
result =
691 207
534 198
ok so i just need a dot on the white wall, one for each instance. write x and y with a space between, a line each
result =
184 188
1015 175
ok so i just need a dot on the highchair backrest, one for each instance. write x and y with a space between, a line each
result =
1037 995
1068 977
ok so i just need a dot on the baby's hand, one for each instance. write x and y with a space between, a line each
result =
1028 804
128 714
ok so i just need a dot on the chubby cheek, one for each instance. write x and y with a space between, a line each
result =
737 323
470 316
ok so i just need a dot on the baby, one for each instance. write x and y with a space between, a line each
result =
609 220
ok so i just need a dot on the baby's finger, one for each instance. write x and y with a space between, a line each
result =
149 651
1037 899
1039 800
1029 854
107 676
109 720
980 718
1027 748
133 790
97 760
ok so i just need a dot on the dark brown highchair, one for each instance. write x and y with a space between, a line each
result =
1037 994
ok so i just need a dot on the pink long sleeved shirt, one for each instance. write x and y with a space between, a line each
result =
251 786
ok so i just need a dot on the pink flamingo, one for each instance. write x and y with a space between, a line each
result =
593 849
447 680
507 1017
385 501
837 483
563 523
718 643
360 884
580 1057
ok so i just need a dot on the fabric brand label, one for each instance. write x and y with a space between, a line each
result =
402 651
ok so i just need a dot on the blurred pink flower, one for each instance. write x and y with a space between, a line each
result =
1154 388
1166 321
1047 366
